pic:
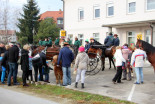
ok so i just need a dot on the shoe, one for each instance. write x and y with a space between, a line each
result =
26 85
16 83
142 82
76 83
124 79
120 82
9 84
114 82
136 83
82 85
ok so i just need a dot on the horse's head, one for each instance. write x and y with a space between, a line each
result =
139 42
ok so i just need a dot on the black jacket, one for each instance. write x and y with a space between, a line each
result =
13 54
5 59
2 50
24 60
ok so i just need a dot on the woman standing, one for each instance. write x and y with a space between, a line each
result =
25 63
81 63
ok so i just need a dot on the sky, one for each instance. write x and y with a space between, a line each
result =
44 5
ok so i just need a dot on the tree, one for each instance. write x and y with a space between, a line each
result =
48 28
28 23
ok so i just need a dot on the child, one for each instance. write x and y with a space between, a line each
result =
3 69
119 59
30 69
81 62
46 72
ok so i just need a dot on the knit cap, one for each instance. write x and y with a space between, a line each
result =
81 49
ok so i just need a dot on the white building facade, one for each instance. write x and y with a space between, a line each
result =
96 18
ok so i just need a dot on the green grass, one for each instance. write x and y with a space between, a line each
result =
76 96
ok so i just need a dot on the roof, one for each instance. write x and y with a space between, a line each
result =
52 14
8 32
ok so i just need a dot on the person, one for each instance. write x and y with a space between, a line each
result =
13 55
40 42
137 59
81 63
2 48
67 56
24 63
77 44
93 42
125 53
69 41
87 46
38 61
30 69
5 60
45 42
3 69
116 40
49 41
46 72
62 43
119 59
57 41
109 40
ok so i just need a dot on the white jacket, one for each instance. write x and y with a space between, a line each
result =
119 57
138 57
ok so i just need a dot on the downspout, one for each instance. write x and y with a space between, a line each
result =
63 14
151 33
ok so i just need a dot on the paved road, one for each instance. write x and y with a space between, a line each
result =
101 83
12 97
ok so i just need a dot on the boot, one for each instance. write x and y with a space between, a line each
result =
82 85
76 83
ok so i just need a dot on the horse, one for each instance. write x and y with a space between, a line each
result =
149 49
50 51
109 53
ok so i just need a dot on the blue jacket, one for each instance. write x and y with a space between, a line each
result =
109 40
67 56
116 42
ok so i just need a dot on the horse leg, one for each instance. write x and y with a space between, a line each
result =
103 63
109 62
113 64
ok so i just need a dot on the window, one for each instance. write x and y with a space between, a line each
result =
80 37
148 36
96 12
150 4
81 14
131 7
110 9
96 37
59 21
131 37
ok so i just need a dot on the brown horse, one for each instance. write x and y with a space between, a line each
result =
109 53
149 49
50 51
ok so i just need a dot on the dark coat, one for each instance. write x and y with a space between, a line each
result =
116 41
2 50
13 54
5 59
109 40
24 60
87 46
67 56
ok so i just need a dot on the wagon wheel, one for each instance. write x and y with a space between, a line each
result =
95 65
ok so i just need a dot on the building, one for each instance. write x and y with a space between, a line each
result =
56 15
96 18
8 36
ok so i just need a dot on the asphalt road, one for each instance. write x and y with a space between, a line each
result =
101 83
13 97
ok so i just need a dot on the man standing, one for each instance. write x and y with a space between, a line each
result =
66 56
109 40
69 41
137 60
77 44
116 41
13 54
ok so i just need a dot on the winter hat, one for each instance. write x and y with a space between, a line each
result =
81 49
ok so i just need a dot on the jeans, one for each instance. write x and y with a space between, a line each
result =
80 73
139 73
3 76
47 77
66 76
36 68
13 70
